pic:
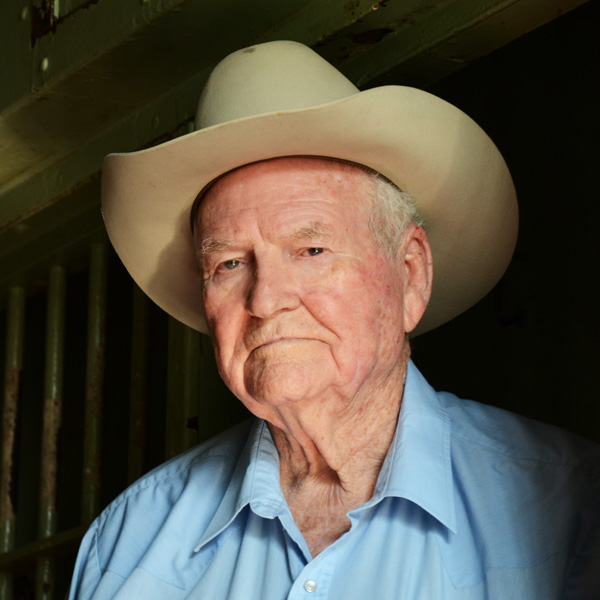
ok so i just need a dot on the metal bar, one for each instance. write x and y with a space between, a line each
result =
62 545
138 409
183 388
15 329
192 351
53 385
96 336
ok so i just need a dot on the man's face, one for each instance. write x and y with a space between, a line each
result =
299 299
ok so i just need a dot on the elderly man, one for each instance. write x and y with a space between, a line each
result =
308 264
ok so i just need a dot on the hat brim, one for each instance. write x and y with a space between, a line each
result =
425 145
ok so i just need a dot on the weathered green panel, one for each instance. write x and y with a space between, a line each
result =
15 48
432 40
58 234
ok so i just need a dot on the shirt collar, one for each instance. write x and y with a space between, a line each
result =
255 481
418 465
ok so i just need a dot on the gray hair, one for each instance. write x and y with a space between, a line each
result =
392 212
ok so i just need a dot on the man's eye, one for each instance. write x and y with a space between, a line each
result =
231 264
314 251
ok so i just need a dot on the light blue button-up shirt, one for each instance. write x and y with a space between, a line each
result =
472 503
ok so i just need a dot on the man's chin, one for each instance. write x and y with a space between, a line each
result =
283 381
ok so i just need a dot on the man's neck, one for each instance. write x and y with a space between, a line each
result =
330 458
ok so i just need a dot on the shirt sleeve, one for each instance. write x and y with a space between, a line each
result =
87 573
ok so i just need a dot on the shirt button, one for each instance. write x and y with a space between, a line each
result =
310 586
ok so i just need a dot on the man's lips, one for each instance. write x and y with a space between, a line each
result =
263 337
277 341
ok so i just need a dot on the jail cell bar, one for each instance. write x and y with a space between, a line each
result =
53 391
138 403
15 329
183 385
39 556
181 419
96 338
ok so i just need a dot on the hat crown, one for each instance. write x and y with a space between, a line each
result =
266 78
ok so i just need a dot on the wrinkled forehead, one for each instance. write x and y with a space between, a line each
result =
335 167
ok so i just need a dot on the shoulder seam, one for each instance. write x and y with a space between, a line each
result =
516 455
150 479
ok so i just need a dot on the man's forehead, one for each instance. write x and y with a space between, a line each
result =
308 167
316 171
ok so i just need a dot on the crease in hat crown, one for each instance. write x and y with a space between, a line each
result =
270 77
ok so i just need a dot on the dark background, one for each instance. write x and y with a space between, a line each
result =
531 345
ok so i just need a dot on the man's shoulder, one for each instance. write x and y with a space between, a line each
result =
165 513
496 430
525 491
223 449
160 503
486 431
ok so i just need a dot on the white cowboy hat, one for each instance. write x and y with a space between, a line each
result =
282 99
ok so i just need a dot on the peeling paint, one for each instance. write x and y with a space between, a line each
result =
381 4
9 425
43 20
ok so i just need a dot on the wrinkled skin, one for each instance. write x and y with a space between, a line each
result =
309 316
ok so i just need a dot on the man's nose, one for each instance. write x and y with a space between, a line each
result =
272 289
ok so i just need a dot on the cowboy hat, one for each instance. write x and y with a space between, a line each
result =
282 99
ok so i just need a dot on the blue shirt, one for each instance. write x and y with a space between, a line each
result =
472 503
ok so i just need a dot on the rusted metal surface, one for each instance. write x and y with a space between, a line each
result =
94 382
138 410
15 328
53 387
43 20
9 425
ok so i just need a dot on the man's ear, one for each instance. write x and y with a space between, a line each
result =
417 265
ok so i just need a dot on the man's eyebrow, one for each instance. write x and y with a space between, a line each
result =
210 245
315 229
312 230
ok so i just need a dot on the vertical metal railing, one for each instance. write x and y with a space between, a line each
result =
15 328
189 372
53 389
138 396
96 339
50 541
183 379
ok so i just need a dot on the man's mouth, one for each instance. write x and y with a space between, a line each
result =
278 340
